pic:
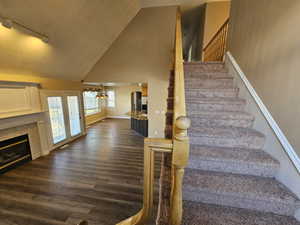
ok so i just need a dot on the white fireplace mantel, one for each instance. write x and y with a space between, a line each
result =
21 113
31 124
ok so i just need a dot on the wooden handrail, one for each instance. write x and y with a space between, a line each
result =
216 34
181 123
216 47
179 95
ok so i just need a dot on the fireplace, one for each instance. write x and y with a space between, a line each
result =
14 152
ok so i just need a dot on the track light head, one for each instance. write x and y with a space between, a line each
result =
45 39
7 23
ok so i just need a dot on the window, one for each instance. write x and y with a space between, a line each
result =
91 102
111 98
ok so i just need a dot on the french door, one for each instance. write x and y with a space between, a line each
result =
74 115
57 120
64 116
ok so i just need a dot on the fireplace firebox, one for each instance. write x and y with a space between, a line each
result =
14 152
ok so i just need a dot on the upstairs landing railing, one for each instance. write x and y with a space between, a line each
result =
178 147
216 48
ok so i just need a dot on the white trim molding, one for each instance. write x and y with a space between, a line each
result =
118 117
268 116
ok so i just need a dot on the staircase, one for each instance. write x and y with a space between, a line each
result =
230 179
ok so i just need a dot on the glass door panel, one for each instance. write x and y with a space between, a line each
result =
57 119
74 115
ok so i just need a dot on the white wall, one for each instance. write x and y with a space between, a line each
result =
264 40
123 101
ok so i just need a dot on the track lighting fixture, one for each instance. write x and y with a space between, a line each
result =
11 24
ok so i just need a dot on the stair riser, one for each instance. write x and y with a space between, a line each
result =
238 202
169 118
171 92
209 83
203 122
252 142
194 107
211 94
168 131
170 103
233 167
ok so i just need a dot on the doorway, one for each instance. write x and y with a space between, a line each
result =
64 116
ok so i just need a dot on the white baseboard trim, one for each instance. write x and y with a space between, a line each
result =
95 121
119 117
276 129
59 145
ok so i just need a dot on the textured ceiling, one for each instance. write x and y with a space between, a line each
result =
80 32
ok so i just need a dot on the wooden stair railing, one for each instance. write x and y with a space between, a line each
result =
151 146
181 123
216 47
177 147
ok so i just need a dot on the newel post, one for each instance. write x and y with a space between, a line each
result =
179 162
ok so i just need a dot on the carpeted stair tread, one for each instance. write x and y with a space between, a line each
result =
233 160
215 104
200 66
204 63
224 132
221 115
206 214
221 118
241 191
229 92
209 83
216 100
227 137
210 89
207 75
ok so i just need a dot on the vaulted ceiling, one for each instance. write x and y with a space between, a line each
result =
79 31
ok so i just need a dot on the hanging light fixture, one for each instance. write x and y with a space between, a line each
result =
101 94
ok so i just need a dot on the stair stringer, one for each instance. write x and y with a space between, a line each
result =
288 173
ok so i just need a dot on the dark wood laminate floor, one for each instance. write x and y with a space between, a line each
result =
97 178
